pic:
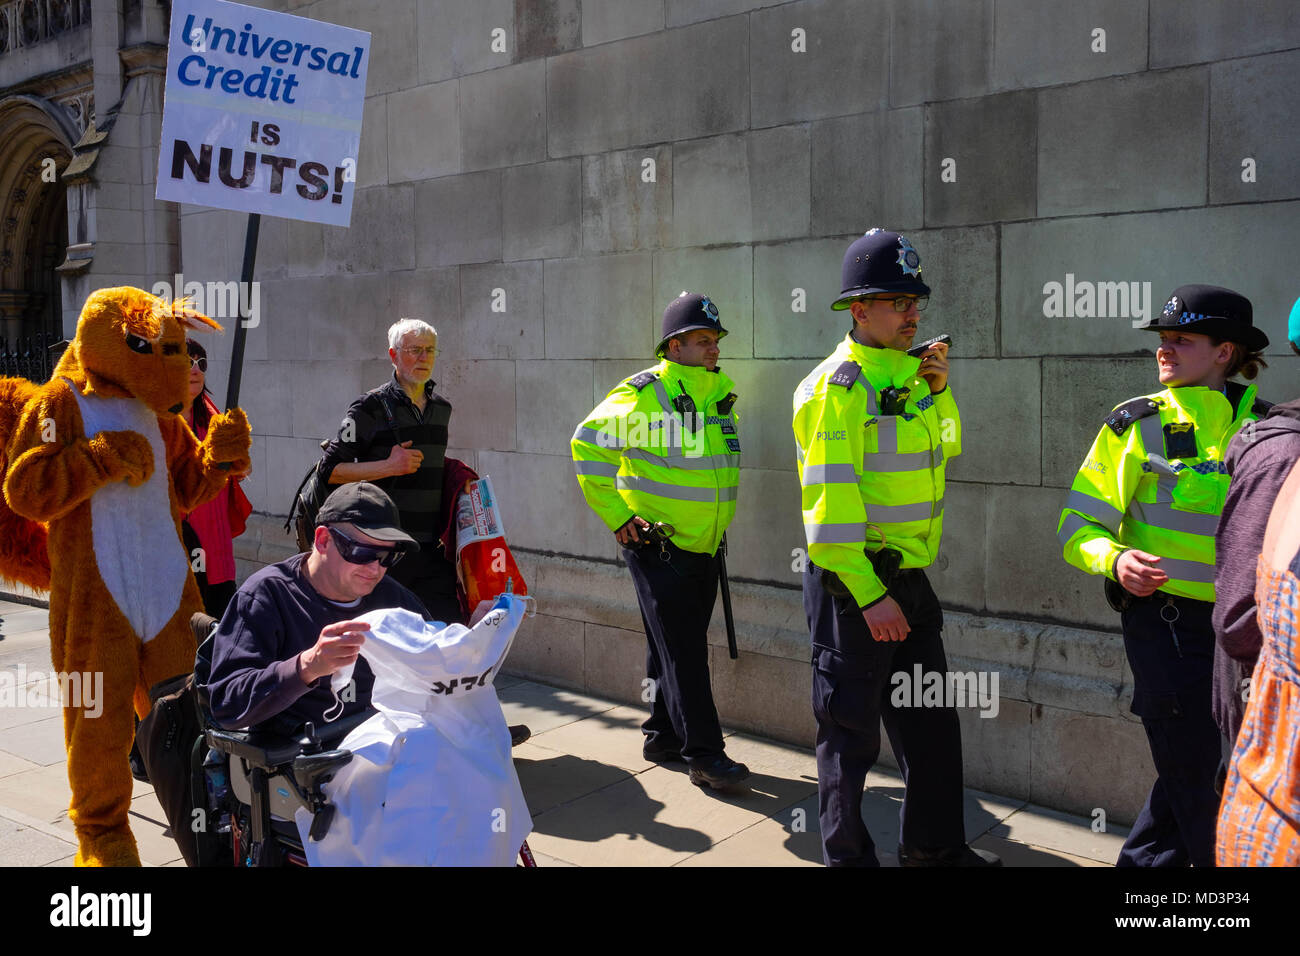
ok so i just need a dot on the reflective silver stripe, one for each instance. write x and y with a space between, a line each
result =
798 451
607 468
1102 512
1072 524
887 436
872 407
851 533
938 455
664 490
663 396
898 514
886 462
600 439
1182 570
686 462
1161 515
728 494
1153 434
840 474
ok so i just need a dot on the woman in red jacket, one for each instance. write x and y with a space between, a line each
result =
210 529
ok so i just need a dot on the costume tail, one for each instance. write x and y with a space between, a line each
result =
24 556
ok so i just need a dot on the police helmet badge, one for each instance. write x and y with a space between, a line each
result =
1171 306
710 310
908 259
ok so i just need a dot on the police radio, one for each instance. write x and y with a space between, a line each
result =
916 351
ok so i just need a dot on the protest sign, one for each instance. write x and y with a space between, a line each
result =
262 112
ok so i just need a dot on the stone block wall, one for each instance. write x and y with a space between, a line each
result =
542 199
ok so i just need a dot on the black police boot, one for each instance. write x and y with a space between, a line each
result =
518 734
660 753
722 774
960 856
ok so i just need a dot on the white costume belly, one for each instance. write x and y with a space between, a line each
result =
140 557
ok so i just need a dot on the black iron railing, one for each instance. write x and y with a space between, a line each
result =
25 23
28 356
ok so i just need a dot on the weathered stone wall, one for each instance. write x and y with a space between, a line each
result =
522 171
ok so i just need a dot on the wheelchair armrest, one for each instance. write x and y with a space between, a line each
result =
273 750
311 771
259 749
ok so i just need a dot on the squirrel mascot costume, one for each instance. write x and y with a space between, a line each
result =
98 466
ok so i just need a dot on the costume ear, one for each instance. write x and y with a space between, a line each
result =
191 318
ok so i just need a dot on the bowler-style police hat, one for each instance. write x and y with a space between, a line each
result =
1210 310
686 313
881 261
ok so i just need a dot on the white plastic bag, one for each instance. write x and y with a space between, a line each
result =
431 781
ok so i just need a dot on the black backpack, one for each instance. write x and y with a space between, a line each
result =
315 488
172 745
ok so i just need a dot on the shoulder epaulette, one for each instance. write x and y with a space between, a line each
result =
1261 408
846 374
1124 416
641 379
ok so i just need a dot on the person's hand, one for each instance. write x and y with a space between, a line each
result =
1137 572
934 367
886 621
336 648
402 460
628 534
123 456
483 608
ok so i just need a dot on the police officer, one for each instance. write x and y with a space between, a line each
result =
873 429
1142 511
659 461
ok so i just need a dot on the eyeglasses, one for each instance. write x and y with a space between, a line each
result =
421 351
199 363
904 302
354 552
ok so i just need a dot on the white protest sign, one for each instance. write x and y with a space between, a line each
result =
262 112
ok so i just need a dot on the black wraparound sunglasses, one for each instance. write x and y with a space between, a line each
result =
354 552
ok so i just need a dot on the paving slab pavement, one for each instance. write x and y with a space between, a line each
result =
595 800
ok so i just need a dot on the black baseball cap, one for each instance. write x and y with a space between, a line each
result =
367 508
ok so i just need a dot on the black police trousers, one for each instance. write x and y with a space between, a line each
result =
851 695
1172 675
676 598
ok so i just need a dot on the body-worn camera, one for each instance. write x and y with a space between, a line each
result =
893 400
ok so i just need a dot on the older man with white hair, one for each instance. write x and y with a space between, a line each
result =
396 437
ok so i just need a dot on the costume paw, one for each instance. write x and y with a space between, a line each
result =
107 848
123 456
228 441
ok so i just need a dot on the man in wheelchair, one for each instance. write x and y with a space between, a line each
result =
263 676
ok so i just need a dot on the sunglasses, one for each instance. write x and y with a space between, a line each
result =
199 363
354 552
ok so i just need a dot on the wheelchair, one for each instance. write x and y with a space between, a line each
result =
256 782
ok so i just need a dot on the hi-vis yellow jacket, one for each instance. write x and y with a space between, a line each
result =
867 475
1154 480
638 453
